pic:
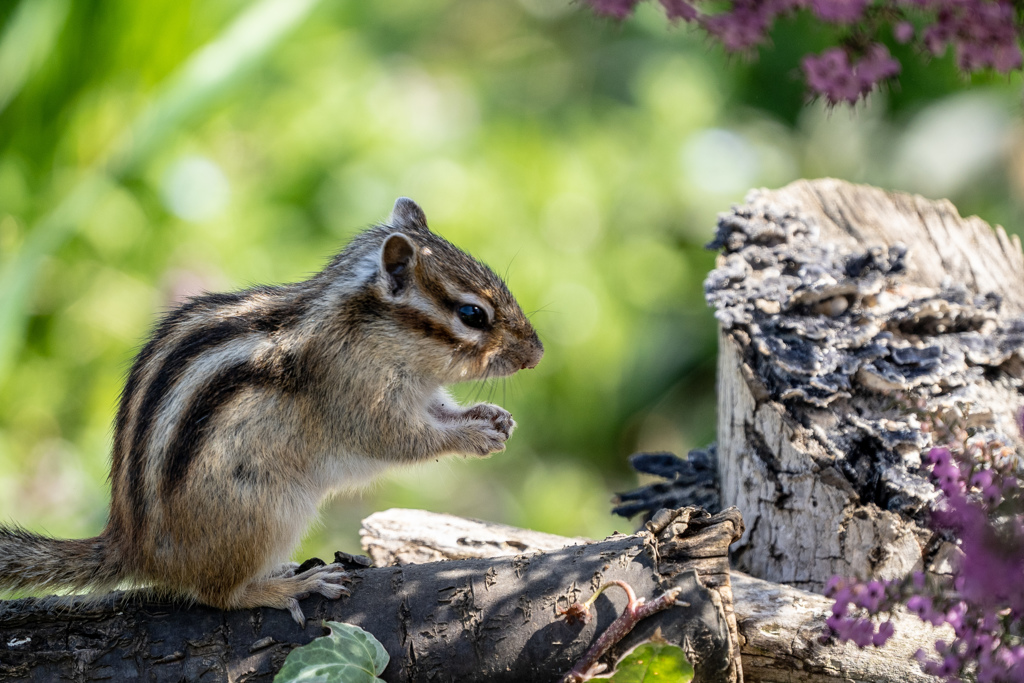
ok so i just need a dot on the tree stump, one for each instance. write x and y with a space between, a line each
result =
847 313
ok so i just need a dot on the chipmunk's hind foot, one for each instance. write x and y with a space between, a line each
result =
284 592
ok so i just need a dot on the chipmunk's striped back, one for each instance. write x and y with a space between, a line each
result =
200 355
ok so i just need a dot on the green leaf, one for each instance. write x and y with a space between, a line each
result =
26 42
207 75
347 655
653 662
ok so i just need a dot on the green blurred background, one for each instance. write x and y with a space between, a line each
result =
150 150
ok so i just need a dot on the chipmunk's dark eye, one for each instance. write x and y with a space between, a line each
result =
473 316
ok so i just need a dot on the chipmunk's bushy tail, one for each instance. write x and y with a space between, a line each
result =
30 562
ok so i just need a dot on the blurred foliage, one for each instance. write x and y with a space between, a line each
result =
149 150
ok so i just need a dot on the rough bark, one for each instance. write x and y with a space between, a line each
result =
779 626
847 316
480 619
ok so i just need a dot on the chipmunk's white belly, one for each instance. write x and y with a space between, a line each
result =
337 473
345 472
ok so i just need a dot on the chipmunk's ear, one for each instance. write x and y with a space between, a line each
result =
397 259
407 215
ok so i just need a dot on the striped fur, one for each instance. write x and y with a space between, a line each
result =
245 410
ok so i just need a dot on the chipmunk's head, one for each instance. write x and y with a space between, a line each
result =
470 324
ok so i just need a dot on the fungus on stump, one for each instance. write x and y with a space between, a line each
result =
848 313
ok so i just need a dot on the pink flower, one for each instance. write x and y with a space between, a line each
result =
1007 58
834 584
938 456
949 667
738 30
870 596
955 617
903 32
875 66
679 9
842 598
831 74
947 477
921 605
983 33
885 631
981 479
839 11
619 9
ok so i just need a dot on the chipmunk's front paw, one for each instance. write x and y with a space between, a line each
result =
491 425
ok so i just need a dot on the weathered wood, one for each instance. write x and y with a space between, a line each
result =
390 537
846 314
479 619
779 626
689 543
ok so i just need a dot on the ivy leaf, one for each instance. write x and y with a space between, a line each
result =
347 655
653 662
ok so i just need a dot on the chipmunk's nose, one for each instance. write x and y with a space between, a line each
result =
533 355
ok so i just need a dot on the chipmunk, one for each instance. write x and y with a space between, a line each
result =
245 410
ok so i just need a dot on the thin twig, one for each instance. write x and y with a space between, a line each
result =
636 610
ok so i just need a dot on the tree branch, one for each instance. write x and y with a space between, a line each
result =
481 619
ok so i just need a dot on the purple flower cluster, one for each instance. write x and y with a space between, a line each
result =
984 34
871 598
982 508
832 75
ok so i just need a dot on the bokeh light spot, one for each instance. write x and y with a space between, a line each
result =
719 161
195 189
